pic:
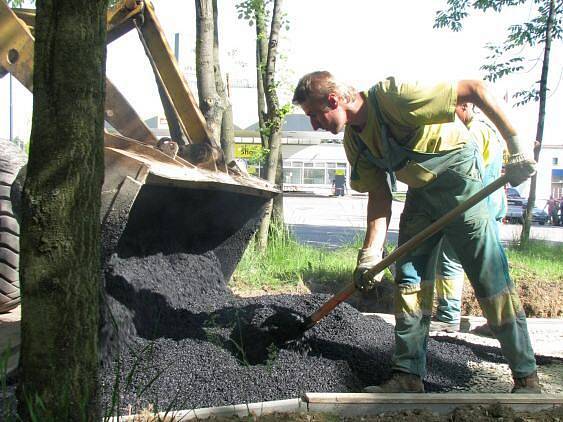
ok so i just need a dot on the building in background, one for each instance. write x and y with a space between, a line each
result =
550 172
312 159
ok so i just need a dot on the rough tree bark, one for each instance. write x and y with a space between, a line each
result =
525 236
213 101
227 125
209 101
261 59
273 124
60 260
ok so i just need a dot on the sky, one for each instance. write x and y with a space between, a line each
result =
359 41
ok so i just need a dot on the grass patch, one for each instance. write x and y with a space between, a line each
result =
287 264
536 260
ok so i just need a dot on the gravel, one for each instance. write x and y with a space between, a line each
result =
193 344
178 338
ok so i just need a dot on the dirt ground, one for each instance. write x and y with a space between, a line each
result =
461 414
540 299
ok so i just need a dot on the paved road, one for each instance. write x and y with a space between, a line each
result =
334 221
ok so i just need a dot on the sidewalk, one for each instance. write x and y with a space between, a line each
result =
547 340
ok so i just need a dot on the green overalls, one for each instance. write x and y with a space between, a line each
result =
449 275
473 237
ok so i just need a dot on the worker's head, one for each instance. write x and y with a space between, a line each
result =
465 112
322 99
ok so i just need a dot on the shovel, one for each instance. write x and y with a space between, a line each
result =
291 327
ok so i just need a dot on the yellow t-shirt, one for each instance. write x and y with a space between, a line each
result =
488 140
419 117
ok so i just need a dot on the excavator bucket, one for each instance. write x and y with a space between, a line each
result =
153 201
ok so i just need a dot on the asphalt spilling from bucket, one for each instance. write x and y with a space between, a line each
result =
173 336
186 342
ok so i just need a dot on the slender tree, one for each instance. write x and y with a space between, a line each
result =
270 113
60 247
227 124
213 100
505 60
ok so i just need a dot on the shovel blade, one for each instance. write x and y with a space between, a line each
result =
284 327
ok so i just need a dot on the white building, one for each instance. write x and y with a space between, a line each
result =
312 158
550 172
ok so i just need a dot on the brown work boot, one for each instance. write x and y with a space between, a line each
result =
400 382
527 385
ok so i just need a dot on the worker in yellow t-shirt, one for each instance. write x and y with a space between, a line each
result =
410 129
445 267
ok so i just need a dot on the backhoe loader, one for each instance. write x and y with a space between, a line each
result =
197 201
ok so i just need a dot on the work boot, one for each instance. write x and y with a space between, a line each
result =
400 382
483 331
444 327
527 385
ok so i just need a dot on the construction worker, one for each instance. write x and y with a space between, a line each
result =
445 267
410 129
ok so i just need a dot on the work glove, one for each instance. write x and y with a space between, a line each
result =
519 166
367 259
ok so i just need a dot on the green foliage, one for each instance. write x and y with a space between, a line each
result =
541 258
496 68
259 156
274 123
15 3
502 61
287 264
525 96
249 9
7 403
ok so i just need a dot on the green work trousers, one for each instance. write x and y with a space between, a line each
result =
474 238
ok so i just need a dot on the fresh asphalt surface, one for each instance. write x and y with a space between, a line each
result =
336 221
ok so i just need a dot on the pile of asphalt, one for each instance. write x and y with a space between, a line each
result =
191 343
174 337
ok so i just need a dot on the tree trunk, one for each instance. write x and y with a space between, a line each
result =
261 58
278 199
227 136
525 236
274 118
209 100
60 248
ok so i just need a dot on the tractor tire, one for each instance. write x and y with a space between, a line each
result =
12 160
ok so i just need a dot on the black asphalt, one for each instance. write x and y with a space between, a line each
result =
175 337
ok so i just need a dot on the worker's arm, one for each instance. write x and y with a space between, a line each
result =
378 217
520 164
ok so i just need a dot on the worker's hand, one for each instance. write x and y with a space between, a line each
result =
367 259
520 166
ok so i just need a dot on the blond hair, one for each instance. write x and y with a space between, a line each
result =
316 86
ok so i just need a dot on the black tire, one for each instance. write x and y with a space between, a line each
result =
12 159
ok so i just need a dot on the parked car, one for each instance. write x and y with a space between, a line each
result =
512 193
539 216
517 207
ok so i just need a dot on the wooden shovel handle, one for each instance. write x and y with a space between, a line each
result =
408 246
